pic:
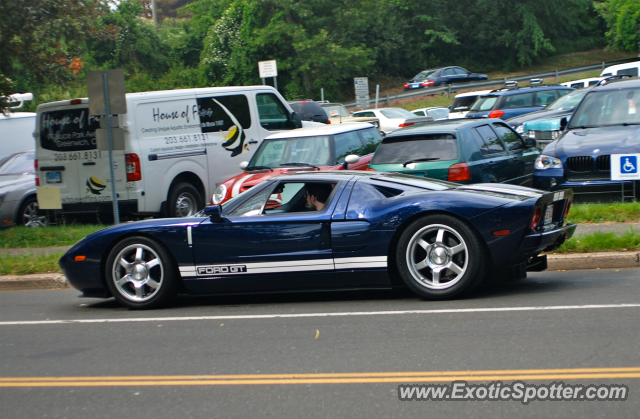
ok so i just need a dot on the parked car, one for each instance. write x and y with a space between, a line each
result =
309 110
338 114
606 122
333 147
582 83
535 128
16 132
631 69
393 118
375 230
434 112
512 101
439 76
459 150
18 200
463 101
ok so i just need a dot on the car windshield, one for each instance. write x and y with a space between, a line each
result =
609 107
336 110
396 113
484 103
423 74
315 151
568 101
19 164
413 147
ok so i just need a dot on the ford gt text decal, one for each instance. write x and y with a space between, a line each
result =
284 266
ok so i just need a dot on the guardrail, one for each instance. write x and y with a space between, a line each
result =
452 88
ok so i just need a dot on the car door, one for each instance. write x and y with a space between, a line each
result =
266 242
522 157
497 161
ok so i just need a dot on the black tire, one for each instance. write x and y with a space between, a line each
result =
184 201
141 273
29 215
439 257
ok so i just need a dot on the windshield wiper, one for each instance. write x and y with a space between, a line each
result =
299 164
419 160
258 168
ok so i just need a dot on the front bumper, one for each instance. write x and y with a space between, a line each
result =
587 191
547 241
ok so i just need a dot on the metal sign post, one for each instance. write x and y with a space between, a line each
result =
107 97
269 69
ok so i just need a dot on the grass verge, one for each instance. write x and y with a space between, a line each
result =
602 242
605 213
21 236
29 263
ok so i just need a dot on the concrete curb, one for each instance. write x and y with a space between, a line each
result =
556 262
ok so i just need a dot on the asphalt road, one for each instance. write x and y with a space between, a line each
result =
323 355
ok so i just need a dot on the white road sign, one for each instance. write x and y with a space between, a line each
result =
268 69
362 91
625 166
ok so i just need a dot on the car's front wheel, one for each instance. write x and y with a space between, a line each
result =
440 257
141 274
30 216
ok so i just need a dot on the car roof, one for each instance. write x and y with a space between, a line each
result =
478 93
447 126
629 83
318 130
526 89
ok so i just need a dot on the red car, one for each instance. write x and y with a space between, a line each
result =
331 147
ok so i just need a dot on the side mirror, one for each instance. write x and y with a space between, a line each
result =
244 165
295 120
350 159
563 123
214 212
529 142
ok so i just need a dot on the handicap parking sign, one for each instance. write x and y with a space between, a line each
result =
625 166
628 164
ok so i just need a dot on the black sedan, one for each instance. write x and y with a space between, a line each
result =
442 76
328 231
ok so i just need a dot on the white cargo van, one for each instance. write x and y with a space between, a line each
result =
179 145
16 132
631 69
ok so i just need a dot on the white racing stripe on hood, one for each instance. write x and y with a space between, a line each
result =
236 187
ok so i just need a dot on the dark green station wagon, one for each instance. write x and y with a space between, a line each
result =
459 150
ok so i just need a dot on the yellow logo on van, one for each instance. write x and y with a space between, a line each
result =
95 186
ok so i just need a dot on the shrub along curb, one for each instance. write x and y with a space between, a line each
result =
574 261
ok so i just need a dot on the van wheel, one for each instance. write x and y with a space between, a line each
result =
184 201
29 215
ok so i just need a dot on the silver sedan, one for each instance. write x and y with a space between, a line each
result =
18 200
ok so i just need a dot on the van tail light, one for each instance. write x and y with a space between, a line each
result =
406 124
535 220
496 114
133 167
566 210
428 83
459 172
75 102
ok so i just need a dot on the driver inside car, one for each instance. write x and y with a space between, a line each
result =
317 194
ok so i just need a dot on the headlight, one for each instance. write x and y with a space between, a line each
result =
219 194
520 129
547 162
555 134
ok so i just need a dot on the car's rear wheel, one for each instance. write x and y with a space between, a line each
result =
141 274
30 216
440 257
184 200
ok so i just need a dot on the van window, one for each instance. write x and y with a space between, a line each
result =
217 113
633 71
68 130
274 116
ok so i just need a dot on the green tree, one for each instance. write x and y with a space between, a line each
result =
623 23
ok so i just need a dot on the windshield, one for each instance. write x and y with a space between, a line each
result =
397 113
423 74
336 110
406 148
610 107
484 103
19 164
315 151
568 101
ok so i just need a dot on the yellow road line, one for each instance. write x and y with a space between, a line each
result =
329 378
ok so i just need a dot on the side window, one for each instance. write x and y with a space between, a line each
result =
365 114
219 113
591 83
546 97
579 85
372 140
524 100
347 143
633 72
254 205
564 92
448 72
459 71
274 116
419 113
492 145
509 137
477 145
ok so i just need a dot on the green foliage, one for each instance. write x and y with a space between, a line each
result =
603 213
623 22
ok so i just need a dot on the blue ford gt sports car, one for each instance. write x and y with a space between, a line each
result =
374 230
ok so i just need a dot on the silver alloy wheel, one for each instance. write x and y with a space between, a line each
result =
437 256
137 272
31 218
186 205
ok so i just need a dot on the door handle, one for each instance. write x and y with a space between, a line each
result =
89 163
252 142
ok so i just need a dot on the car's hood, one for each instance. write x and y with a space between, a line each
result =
608 140
538 115
10 182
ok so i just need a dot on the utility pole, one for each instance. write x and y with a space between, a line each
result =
154 13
